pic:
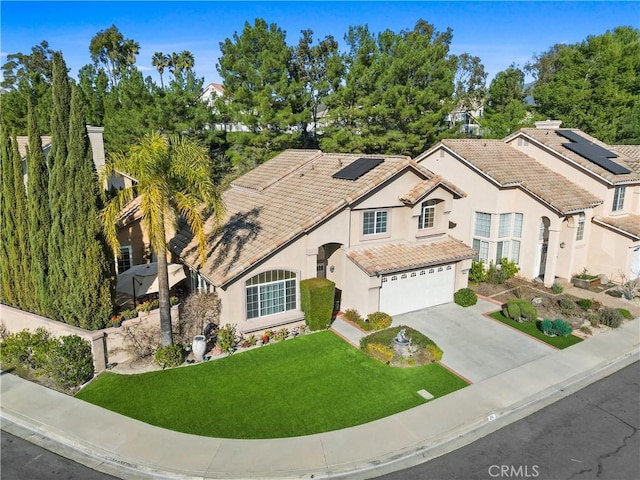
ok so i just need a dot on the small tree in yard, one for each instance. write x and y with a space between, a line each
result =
316 301
199 310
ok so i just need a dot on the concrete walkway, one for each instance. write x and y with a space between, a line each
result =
127 448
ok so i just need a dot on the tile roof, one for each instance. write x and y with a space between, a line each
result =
130 213
276 202
23 141
628 223
631 151
509 167
426 186
554 140
399 256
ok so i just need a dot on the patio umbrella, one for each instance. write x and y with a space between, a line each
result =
142 280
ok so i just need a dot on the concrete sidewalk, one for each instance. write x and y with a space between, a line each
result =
127 448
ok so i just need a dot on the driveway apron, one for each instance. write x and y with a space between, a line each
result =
475 347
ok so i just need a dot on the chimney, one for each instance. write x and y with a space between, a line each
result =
549 124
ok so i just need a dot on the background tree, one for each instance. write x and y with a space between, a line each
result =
113 53
173 178
592 85
94 86
39 216
505 110
160 61
255 66
396 93
319 69
27 78
9 250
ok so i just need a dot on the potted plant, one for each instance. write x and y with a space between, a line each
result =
116 321
585 280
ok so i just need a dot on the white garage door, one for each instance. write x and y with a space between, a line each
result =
408 291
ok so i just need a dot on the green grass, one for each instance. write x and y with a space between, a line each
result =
531 328
310 384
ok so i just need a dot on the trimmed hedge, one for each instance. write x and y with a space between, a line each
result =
465 297
519 309
316 300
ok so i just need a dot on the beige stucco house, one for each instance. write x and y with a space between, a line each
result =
378 226
556 201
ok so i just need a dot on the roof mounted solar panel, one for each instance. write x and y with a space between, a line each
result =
356 169
592 152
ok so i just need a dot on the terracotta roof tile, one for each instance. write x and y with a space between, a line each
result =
627 223
130 213
552 139
509 167
273 204
399 256
23 141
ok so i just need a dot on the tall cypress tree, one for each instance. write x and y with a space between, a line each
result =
88 267
8 244
24 285
38 214
59 182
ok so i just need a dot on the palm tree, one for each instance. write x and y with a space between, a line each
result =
173 177
160 61
186 59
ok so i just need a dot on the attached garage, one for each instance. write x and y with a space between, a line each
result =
412 290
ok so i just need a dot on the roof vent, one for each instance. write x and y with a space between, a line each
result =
355 170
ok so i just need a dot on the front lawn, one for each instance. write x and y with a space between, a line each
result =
310 384
531 328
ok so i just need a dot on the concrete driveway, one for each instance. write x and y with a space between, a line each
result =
474 346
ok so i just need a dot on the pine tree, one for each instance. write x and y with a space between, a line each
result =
89 270
39 216
59 182
8 244
24 285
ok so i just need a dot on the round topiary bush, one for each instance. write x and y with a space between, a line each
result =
465 297
519 309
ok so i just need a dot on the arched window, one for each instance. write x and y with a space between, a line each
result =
427 217
271 292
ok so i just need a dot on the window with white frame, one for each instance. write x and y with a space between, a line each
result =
198 283
271 292
427 217
509 233
581 222
482 228
618 199
374 222
124 260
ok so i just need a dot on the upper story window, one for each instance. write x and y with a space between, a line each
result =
427 217
483 225
374 222
580 231
618 199
125 260
270 292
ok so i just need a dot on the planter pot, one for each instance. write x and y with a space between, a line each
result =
199 346
585 283
259 343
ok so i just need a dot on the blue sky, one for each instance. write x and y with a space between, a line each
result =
499 32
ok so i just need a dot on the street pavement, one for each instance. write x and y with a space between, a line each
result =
114 444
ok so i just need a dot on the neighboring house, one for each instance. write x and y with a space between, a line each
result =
209 95
467 119
553 200
135 247
378 226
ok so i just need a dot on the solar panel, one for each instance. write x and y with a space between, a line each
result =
592 152
358 168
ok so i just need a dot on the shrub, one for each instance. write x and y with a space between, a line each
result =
380 352
477 273
379 320
70 362
557 288
567 306
626 314
509 268
496 275
558 327
547 326
316 301
433 352
610 317
584 303
465 297
520 309
586 330
168 356
352 315
25 348
227 338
